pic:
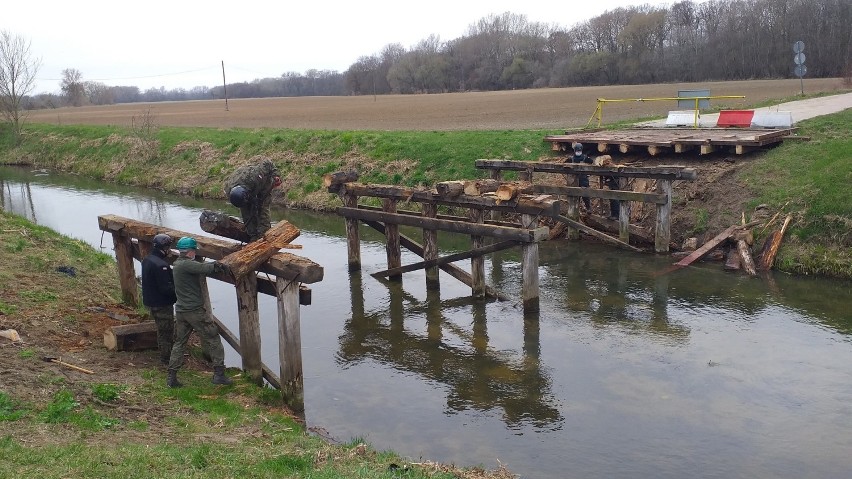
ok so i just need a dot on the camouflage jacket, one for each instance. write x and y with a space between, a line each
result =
257 178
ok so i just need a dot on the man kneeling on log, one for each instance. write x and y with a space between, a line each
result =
249 188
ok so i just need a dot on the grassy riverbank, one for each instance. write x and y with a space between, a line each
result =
59 294
806 179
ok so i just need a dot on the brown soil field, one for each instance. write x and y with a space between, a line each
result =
547 109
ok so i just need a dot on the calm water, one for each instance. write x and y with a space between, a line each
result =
623 374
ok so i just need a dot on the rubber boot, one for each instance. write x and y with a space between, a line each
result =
219 376
172 381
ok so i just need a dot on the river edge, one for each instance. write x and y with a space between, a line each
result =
59 295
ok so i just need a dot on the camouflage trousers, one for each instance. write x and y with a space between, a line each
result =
199 321
164 318
256 217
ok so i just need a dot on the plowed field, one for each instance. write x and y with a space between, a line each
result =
549 109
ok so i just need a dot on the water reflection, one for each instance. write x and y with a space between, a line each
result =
477 375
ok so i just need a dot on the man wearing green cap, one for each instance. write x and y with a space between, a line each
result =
190 313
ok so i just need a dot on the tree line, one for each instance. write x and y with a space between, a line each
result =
685 42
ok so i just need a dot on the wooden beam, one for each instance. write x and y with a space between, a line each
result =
290 346
522 205
479 187
707 247
394 252
254 254
671 172
450 189
603 147
624 148
477 263
515 234
126 272
332 181
430 248
232 340
353 237
529 270
707 149
595 233
663 222
440 216
682 147
249 319
771 246
131 337
450 258
223 225
576 191
451 269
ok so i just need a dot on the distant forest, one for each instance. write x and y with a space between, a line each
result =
686 42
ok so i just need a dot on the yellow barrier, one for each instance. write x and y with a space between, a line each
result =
601 101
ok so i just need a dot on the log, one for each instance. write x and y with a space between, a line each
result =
225 225
771 246
478 187
254 254
450 189
707 247
332 181
745 257
131 337
733 262
510 190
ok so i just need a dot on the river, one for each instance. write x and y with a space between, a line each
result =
625 373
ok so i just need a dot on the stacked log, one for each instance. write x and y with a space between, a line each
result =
450 189
333 181
223 225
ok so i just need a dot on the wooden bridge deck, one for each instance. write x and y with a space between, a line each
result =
667 140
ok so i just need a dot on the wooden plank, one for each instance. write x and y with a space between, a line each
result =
623 214
595 233
515 234
353 238
232 340
663 222
707 247
771 246
477 263
290 346
430 248
441 216
450 258
126 272
249 324
451 269
131 337
576 191
254 254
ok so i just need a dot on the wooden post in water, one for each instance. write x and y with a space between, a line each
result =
623 214
529 265
572 209
392 234
246 287
290 345
123 246
353 238
430 248
662 235
477 263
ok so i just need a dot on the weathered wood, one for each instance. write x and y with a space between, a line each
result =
497 176
605 224
663 223
451 269
249 324
290 346
572 210
623 214
234 342
293 267
440 216
529 266
502 232
655 172
450 189
126 272
745 257
521 206
508 191
430 249
450 258
254 254
131 337
595 233
771 246
707 247
332 181
624 148
707 149
353 237
732 261
223 225
394 252
655 150
479 187
575 191
682 148
209 247
477 263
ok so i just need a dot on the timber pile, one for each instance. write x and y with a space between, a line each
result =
739 239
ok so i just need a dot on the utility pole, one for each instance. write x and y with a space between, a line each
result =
224 85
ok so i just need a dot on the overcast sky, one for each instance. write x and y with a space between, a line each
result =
181 43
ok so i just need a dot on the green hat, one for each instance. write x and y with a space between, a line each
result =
186 243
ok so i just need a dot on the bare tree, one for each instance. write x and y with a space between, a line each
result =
73 86
17 78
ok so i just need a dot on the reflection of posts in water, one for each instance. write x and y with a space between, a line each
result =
532 340
430 247
356 294
434 331
660 301
497 272
480 328
29 196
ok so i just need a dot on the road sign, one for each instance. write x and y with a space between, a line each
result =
799 47
799 59
801 71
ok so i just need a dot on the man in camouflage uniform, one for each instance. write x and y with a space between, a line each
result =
250 189
158 293
190 313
